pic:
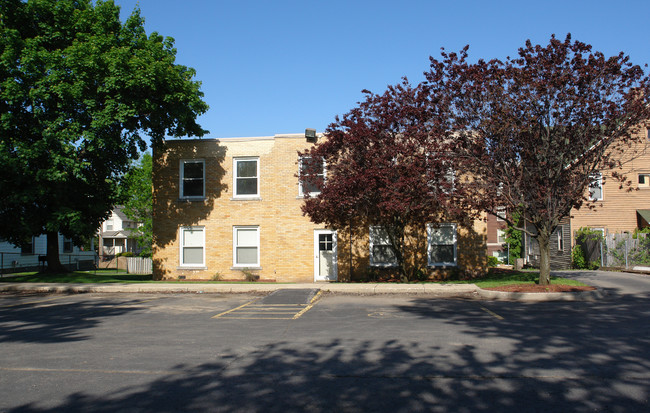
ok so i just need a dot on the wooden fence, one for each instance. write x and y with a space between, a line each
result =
623 250
138 265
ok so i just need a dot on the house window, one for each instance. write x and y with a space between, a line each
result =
644 180
442 249
501 213
501 236
67 245
596 187
246 246
560 238
192 176
246 177
28 248
312 168
381 250
192 246
109 225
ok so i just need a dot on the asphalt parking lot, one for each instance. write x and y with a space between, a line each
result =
224 352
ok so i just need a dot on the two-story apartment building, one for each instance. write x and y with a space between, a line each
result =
224 208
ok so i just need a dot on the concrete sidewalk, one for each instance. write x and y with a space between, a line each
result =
437 290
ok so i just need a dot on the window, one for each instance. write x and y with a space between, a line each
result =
246 177
596 187
192 246
442 244
109 225
644 180
381 250
311 167
246 246
192 175
501 236
28 248
560 238
449 181
67 245
501 213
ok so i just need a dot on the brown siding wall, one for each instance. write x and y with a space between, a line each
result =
617 211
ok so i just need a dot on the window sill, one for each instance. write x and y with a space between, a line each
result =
442 266
384 265
253 198
182 268
245 268
197 199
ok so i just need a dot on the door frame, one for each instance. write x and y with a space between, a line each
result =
335 268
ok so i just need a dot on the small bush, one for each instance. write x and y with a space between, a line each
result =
250 276
578 258
125 254
217 276
493 261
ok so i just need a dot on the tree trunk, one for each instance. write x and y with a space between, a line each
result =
544 258
53 263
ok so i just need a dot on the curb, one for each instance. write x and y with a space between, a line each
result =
593 295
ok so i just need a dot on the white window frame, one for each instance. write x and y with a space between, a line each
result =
235 161
235 246
646 180
430 228
501 233
598 178
182 178
324 174
560 238
374 235
109 224
182 246
501 213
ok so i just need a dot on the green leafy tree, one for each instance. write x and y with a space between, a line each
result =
138 204
78 88
514 238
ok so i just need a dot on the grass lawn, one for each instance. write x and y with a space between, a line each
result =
493 279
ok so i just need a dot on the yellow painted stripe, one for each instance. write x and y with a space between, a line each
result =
256 318
237 308
311 304
492 313
33 302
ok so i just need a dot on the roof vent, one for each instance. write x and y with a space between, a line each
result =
310 135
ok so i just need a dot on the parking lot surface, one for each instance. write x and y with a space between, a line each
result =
173 352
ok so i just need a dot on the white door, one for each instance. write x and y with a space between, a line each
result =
325 267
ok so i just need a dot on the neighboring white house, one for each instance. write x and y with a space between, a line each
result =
13 258
117 234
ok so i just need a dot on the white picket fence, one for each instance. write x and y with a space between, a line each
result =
138 265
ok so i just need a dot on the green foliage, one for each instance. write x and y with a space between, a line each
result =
125 254
136 196
578 257
514 239
493 261
588 234
78 88
638 231
217 276
250 276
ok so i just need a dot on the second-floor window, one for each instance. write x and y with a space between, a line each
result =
315 169
246 177
192 178
644 180
596 187
109 225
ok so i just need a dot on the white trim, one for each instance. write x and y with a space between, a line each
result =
560 238
235 161
646 180
235 245
335 270
182 246
430 229
181 177
596 177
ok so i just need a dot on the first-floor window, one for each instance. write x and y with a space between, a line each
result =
192 246
67 245
560 239
28 248
442 244
381 249
246 246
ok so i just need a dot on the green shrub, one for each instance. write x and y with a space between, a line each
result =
578 258
493 261
125 254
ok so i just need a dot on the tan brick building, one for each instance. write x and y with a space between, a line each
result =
228 208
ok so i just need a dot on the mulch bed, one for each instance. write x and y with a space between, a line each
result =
534 288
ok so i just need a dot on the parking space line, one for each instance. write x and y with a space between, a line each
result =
311 304
237 308
260 311
33 302
492 313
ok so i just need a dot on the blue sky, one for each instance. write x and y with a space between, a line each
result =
270 67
